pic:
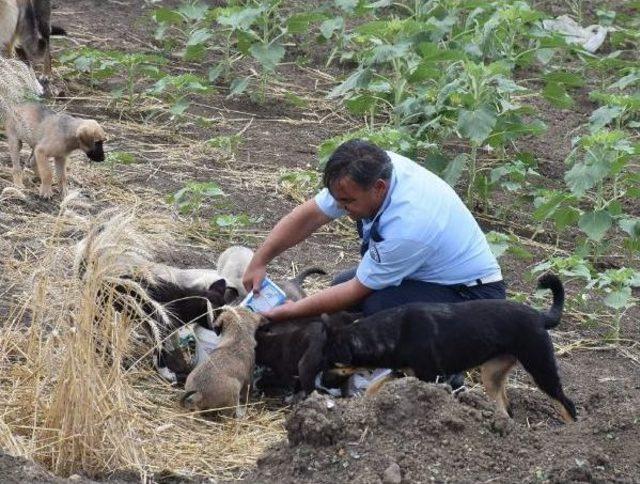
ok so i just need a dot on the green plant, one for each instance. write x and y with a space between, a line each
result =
229 224
120 158
132 67
176 90
190 198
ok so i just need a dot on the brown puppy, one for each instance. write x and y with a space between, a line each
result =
223 380
51 135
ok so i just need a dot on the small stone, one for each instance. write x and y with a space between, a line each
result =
392 475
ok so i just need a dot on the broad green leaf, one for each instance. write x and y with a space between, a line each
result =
507 85
631 226
569 79
618 298
556 94
424 71
194 11
328 27
168 16
429 51
498 243
595 224
215 72
454 169
385 53
268 55
299 23
356 80
476 125
603 116
239 19
549 207
211 189
582 177
565 217
180 106
625 81
545 55
194 53
199 36
361 104
238 86
347 5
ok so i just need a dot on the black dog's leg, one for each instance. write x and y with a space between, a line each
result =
311 364
494 378
539 360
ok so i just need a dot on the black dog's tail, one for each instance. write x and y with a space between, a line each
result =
552 282
299 279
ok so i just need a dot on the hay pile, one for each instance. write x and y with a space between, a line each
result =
68 401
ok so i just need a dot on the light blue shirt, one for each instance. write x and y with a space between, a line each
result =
428 233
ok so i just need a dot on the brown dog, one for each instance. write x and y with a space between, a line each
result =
223 380
51 135
25 25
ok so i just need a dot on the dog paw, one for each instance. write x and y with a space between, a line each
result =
46 192
18 182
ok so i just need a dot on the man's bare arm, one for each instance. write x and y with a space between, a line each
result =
293 228
334 298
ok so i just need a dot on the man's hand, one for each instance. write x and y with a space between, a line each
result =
280 313
254 275
329 300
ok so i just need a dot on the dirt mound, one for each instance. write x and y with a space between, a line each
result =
17 470
418 432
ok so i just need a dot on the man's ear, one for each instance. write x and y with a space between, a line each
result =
380 186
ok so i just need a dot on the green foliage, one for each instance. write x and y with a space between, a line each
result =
189 199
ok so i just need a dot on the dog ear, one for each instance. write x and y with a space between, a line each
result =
218 286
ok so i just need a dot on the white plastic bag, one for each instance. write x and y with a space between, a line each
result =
590 38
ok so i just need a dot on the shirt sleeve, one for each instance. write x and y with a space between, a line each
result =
389 262
328 205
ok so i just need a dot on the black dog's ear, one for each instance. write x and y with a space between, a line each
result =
218 286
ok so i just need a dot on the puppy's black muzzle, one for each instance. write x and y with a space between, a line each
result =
97 153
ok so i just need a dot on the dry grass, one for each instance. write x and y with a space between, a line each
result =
76 391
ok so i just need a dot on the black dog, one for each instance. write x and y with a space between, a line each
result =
437 339
292 349
169 307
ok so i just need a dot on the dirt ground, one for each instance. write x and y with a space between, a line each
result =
411 431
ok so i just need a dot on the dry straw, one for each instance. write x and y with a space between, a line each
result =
76 390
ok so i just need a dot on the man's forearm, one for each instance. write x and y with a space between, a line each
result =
293 228
335 298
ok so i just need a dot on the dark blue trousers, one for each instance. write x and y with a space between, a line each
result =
418 291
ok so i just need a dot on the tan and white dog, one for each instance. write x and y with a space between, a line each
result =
51 135
223 380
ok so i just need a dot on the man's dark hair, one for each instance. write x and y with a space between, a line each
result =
361 161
